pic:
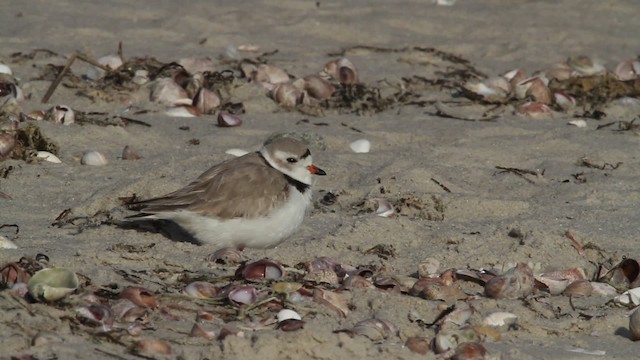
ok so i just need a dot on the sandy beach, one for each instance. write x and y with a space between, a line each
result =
473 184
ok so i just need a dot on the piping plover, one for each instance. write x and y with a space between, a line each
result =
256 200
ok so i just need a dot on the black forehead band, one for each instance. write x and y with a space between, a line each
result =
306 154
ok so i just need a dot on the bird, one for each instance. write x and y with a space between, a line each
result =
256 200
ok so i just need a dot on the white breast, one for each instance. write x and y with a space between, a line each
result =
259 232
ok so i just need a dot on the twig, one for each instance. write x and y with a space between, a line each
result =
441 185
574 242
64 71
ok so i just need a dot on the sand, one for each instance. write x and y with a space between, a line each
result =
411 147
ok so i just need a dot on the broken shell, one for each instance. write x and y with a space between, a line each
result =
47 156
539 91
205 101
52 284
579 288
93 158
285 287
194 65
287 314
226 119
243 295
384 207
628 70
333 300
198 331
624 275
514 76
559 71
564 101
125 310
557 281
360 146
140 77
495 89
628 298
286 94
375 329
584 66
634 324
62 114
448 340
12 273
356 281
186 111
167 92
97 315
500 319
290 325
111 61
270 74
342 70
6 243
428 268
515 283
139 296
418 344
318 88
470 351
153 347
7 144
534 110
448 294
603 289
5 69
129 153
264 269
201 290
226 255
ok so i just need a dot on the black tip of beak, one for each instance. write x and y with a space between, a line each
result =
321 172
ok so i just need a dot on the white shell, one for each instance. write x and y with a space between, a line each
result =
4 69
140 77
93 158
628 298
111 61
385 209
287 314
181 111
579 123
361 146
6 243
236 152
47 156
500 318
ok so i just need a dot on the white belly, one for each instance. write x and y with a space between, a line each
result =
259 232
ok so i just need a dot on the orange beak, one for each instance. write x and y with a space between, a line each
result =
316 170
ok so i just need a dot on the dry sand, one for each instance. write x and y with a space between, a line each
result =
410 147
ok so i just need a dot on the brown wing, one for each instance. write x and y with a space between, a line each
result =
241 187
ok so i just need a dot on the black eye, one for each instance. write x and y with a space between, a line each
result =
292 160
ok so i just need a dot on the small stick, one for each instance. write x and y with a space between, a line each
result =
574 242
64 71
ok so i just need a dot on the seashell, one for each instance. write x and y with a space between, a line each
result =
236 152
11 274
383 207
557 281
442 343
515 283
204 315
579 288
270 74
539 91
470 351
206 101
287 314
534 110
629 298
52 284
111 61
198 331
360 146
500 319
514 76
564 101
428 268
418 344
167 92
342 70
448 340
628 70
584 66
290 325
264 269
578 123
194 65
5 69
634 324
125 310
286 94
333 300
375 329
458 317
319 276
140 77
226 119
62 114
7 144
356 281
495 89
559 71
6 243
185 111
139 296
201 290
129 153
623 275
318 88
388 284
243 295
47 156
97 315
93 158
18 290
227 255
523 88
448 294
152 347
285 287
603 289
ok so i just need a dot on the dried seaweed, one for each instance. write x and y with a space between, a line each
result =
30 140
